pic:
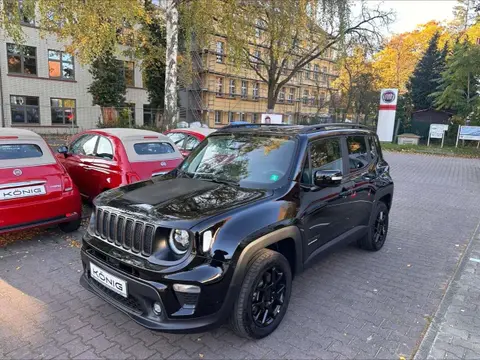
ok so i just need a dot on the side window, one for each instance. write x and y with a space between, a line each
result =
177 138
324 155
77 146
104 148
374 147
191 143
358 156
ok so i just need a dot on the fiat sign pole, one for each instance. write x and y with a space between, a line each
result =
386 114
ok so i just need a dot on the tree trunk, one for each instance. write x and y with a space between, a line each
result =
271 99
171 108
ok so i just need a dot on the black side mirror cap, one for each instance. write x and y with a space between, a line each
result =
328 177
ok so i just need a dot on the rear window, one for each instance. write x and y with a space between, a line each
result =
19 151
153 148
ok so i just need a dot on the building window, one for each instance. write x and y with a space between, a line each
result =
305 97
291 95
149 114
25 19
257 56
322 100
255 90
218 117
22 59
130 107
315 71
258 28
313 98
128 70
220 51
324 74
25 109
230 117
60 65
242 116
281 95
219 86
63 111
254 118
244 89
232 88
307 71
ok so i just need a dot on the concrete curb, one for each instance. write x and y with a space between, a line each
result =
429 338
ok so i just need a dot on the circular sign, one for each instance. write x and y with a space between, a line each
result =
388 96
17 172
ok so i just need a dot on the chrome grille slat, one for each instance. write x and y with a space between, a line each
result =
125 232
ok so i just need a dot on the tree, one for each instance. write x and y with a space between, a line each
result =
426 75
396 61
108 87
357 84
459 87
466 13
152 53
276 39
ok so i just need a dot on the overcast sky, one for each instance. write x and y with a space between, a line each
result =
413 12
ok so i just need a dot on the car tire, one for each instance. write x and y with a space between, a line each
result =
70 226
267 270
377 229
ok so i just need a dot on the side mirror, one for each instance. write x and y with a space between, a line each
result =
327 177
63 150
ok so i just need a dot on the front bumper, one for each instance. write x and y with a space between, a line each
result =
180 314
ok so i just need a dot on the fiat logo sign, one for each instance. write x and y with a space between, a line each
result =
163 163
17 172
388 96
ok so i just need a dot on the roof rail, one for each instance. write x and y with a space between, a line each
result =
247 125
311 128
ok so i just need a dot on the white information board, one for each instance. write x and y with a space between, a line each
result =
272 118
437 131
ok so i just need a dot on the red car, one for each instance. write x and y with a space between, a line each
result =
35 189
187 139
103 159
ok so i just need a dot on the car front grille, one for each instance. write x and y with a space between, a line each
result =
125 232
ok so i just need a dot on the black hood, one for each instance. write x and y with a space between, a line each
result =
177 200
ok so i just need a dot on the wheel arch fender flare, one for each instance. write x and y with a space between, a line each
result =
289 232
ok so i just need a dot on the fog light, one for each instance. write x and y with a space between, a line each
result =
157 308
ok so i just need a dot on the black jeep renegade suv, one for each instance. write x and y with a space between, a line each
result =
222 236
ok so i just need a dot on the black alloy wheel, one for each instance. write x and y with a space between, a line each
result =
268 296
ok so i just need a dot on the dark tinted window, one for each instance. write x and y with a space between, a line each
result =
324 155
248 160
191 143
374 147
153 148
357 152
104 148
85 145
177 138
19 151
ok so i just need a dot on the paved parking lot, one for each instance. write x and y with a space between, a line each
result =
351 304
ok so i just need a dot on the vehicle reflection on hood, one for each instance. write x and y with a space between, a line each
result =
178 198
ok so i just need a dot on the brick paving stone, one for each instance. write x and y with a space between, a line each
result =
352 303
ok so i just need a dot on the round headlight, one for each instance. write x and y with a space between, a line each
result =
179 241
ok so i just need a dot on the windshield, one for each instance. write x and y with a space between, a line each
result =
246 160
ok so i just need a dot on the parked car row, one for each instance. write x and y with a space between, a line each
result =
39 187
